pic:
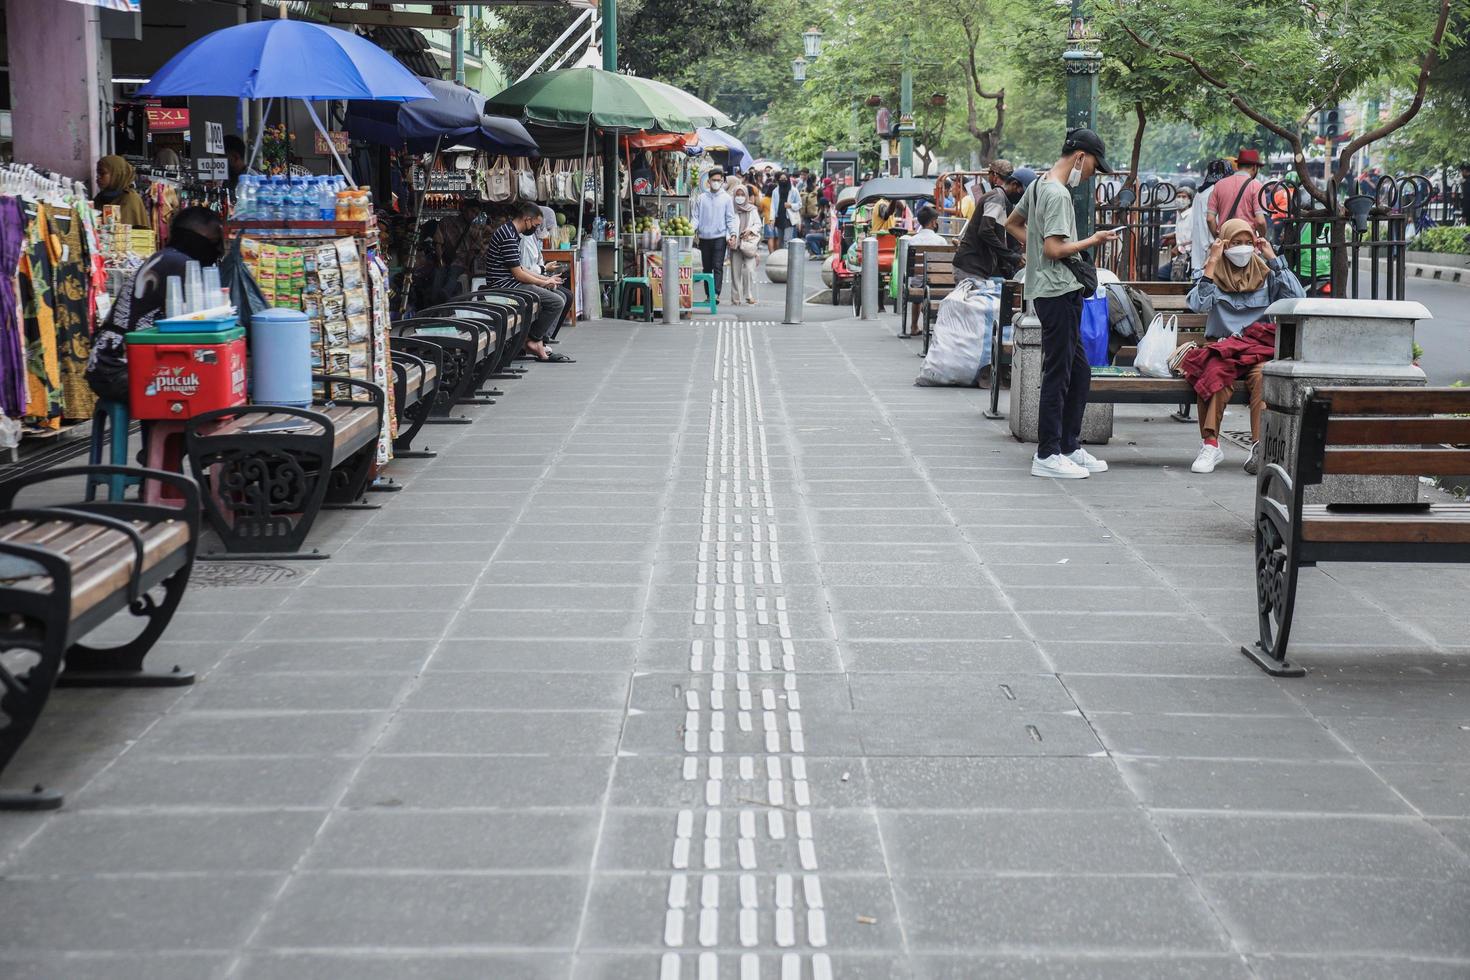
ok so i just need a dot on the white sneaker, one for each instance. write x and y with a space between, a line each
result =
1209 457
1087 461
1058 467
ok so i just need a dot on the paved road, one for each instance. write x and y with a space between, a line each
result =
1446 338
726 653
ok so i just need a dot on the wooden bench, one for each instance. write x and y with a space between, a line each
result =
466 349
417 368
1137 390
1354 431
67 570
924 266
268 470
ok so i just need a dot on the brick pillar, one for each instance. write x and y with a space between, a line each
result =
55 90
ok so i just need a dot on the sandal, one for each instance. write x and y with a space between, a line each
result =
552 357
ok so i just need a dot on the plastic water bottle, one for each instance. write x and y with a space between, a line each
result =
244 197
326 199
269 198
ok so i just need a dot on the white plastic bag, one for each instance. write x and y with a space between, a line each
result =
1156 347
9 432
959 348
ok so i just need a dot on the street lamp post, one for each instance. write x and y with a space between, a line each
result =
1082 61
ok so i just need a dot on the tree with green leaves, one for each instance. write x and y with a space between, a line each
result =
1280 62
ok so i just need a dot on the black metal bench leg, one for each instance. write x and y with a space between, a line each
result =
347 483
1276 576
40 641
122 666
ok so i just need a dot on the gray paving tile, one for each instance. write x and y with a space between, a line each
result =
158 781
450 841
1317 966
1366 847
492 654
1221 784
321 655
1024 843
1072 914
298 692
503 733
1375 916
88 965
416 965
999 784
431 782
1442 740
300 733
425 910
120 843
538 690
1187 695
1140 966
1217 737
134 913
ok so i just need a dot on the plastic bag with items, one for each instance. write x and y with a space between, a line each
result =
959 348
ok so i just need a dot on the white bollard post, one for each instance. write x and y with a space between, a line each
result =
870 278
795 279
671 279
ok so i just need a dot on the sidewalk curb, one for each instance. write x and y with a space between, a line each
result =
1448 274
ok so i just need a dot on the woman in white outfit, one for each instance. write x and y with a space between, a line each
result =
745 256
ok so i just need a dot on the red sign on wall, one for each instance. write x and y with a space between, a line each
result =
165 120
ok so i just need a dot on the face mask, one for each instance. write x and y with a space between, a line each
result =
1014 196
1240 255
530 232
1074 179
716 185
739 198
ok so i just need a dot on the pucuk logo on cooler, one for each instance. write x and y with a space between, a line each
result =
174 381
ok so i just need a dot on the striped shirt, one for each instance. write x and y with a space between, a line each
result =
503 254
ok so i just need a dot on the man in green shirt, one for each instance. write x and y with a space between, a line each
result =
1045 223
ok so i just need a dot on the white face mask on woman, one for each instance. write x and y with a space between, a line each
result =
1240 255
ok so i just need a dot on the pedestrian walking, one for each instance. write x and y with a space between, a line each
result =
1200 234
1045 222
785 211
714 226
1238 196
746 255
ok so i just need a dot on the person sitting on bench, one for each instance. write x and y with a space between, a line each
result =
928 234
505 271
1242 277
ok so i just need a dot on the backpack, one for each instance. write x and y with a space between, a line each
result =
1129 311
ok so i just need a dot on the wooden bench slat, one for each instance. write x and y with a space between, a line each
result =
1397 430
353 425
1398 401
103 564
1395 462
1444 524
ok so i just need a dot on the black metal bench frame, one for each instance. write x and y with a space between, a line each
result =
462 358
42 624
263 490
413 406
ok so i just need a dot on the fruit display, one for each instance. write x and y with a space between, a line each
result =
646 223
678 225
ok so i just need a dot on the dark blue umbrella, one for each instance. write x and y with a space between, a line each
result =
453 115
285 59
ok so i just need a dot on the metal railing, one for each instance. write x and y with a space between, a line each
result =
1146 213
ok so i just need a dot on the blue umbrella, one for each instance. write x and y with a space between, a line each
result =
715 139
285 59
453 115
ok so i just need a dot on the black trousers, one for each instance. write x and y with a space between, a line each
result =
712 255
1066 377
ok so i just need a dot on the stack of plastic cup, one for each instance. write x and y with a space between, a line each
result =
174 302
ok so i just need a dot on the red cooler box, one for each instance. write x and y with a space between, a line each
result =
180 375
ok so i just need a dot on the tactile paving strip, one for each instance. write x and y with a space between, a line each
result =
743 732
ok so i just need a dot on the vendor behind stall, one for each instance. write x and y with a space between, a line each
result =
194 235
115 189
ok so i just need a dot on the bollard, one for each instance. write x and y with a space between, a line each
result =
795 279
870 278
671 279
900 269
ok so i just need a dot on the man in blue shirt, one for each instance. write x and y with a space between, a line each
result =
714 226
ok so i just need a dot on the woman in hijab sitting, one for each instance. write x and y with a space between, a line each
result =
115 188
1242 277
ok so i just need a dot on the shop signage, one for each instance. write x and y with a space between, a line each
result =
214 137
213 168
339 140
165 120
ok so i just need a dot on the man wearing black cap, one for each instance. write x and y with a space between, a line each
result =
1046 224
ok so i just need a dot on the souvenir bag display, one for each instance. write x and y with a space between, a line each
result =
498 186
525 181
564 183
544 183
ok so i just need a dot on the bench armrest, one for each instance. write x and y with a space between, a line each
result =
57 568
376 397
